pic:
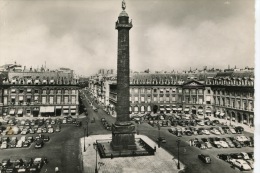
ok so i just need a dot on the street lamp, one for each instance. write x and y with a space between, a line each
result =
96 148
178 145
84 139
87 126
159 135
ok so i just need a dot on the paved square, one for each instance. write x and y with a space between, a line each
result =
161 162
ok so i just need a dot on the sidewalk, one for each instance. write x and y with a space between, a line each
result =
161 162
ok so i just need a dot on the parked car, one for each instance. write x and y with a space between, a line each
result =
26 143
205 158
57 129
19 144
236 156
250 163
161 139
24 132
232 130
38 162
215 131
50 130
225 157
45 138
242 165
251 155
208 145
223 144
216 144
39 130
245 156
201 145
30 138
38 143
239 129
17 163
6 163
216 121
4 145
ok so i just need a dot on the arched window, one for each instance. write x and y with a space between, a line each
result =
142 109
136 109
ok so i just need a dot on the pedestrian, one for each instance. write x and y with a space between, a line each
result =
45 160
190 142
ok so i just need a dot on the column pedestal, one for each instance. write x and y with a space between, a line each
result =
123 136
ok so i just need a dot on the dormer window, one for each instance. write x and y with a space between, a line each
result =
51 81
37 82
29 81
14 81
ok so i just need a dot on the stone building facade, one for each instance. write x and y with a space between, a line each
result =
223 95
32 93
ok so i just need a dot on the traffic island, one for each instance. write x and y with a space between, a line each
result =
141 149
159 161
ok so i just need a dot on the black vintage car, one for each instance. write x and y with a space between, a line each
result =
204 158
225 157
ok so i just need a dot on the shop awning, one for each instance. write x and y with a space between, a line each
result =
179 109
73 107
20 111
49 109
29 90
58 107
12 97
65 111
168 109
222 114
162 109
13 90
208 111
42 109
65 107
217 113
187 109
11 112
200 110
73 111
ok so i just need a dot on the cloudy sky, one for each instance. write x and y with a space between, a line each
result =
166 34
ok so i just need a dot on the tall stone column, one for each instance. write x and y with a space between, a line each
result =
123 130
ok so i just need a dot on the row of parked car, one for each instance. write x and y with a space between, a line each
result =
106 124
218 130
243 161
36 126
24 141
227 142
22 165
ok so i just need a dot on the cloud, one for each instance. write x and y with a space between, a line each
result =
165 34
